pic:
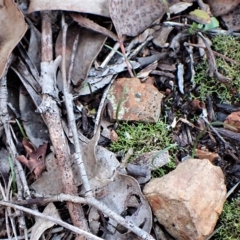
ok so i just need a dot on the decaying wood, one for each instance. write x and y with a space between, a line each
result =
51 114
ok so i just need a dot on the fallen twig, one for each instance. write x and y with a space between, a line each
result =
71 119
215 53
51 114
55 220
95 203
4 118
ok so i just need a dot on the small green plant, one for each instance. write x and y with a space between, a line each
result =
228 227
13 175
159 172
195 27
21 129
144 137
228 46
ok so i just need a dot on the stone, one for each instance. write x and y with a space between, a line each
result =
232 122
147 162
131 100
188 200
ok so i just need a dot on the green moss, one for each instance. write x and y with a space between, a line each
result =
143 137
230 47
229 222
159 172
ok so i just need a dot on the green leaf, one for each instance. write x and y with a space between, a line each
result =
200 16
214 24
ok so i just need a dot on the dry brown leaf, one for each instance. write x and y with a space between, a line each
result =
35 158
42 224
221 7
179 7
98 7
52 175
124 197
89 45
231 20
131 17
87 23
13 27
36 130
211 156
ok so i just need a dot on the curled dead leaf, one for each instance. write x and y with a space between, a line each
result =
13 27
35 158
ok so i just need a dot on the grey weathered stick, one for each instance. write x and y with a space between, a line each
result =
51 114
71 119
95 203
4 118
57 221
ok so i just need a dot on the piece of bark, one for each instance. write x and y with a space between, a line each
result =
228 134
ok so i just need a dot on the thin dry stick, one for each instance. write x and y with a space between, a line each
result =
95 203
51 114
73 55
89 196
102 106
110 55
126 60
215 53
6 213
47 217
4 117
71 119
78 153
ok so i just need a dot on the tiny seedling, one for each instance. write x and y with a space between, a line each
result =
21 129
128 62
195 27
13 174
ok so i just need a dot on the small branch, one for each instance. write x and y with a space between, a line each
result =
110 55
51 114
215 53
4 118
101 107
47 217
47 48
71 119
126 60
95 203
73 55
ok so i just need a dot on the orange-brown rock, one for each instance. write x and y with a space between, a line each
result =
131 100
232 122
188 200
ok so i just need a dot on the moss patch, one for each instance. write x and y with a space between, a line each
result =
142 138
230 47
229 222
